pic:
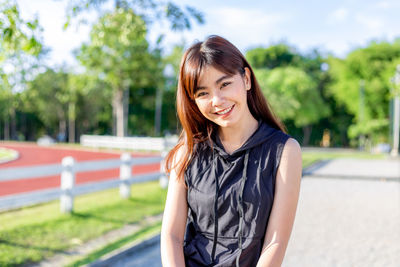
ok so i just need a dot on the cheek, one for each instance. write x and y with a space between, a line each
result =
202 106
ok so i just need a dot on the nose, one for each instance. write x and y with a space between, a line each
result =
217 98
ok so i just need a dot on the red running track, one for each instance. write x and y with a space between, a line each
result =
31 155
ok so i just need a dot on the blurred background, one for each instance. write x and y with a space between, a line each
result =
97 67
73 72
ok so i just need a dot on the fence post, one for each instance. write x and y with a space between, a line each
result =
163 176
125 172
67 184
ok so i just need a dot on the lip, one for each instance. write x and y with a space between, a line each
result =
229 112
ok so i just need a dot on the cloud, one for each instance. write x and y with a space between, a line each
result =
338 15
372 24
383 4
235 18
240 26
246 26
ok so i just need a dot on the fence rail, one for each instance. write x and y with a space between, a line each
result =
17 173
68 189
135 143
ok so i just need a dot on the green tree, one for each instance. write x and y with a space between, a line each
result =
149 10
17 34
279 55
118 53
90 111
86 96
173 59
47 95
6 107
293 95
18 46
361 83
142 62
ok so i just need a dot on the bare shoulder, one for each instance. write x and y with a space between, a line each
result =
291 162
292 148
292 145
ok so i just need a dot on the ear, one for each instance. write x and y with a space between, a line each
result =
247 78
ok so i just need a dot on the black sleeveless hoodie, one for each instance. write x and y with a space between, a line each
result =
230 197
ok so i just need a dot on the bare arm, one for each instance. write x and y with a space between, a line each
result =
284 208
174 222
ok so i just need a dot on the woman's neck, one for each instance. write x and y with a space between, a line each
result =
233 138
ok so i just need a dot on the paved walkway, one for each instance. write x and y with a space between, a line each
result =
339 222
346 223
357 168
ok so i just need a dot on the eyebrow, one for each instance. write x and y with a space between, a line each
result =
216 82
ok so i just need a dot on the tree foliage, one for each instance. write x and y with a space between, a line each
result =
17 34
293 84
118 53
361 82
150 10
48 97
279 55
19 47
293 95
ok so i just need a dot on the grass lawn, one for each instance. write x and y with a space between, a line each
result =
146 231
31 234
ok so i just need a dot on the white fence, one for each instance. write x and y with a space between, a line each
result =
68 189
134 143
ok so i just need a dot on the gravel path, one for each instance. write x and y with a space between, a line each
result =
346 223
388 169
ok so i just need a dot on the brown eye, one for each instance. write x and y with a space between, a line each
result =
200 94
225 84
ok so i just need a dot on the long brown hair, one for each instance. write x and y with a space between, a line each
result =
219 53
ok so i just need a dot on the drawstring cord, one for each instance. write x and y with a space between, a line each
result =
215 211
240 207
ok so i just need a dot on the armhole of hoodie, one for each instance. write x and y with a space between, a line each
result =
281 142
186 178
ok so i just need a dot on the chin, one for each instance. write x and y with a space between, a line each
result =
225 124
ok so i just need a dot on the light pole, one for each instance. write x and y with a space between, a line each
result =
396 113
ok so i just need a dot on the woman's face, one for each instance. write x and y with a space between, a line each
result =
222 98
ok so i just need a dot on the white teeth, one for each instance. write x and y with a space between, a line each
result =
225 111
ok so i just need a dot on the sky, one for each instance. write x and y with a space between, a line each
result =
335 27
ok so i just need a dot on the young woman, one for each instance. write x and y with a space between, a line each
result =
234 174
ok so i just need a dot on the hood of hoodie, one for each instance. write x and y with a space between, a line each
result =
262 134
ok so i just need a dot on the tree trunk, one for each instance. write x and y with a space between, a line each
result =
71 122
24 126
118 110
62 130
6 127
126 111
13 125
157 121
307 134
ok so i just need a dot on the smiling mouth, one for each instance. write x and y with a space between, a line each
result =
225 110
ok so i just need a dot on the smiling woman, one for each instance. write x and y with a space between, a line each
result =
234 170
